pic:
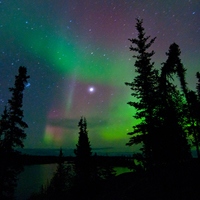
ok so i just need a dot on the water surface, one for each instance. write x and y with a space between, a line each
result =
34 176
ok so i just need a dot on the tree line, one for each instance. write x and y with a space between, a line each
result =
166 115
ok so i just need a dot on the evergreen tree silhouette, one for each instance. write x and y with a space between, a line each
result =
173 137
173 65
14 135
191 97
160 106
144 88
11 136
61 181
83 151
83 161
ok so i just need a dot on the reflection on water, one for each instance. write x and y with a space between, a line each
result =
121 170
34 176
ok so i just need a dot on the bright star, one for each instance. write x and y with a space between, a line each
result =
91 89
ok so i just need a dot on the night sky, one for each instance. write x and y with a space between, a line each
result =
77 55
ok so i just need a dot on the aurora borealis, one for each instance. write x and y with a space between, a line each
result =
71 46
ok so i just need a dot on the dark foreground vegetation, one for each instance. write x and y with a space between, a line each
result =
168 125
178 181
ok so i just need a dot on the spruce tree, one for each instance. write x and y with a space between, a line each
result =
12 118
11 136
83 152
61 182
83 165
173 137
143 88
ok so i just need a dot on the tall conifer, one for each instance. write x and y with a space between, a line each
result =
11 136
83 151
14 135
173 137
144 89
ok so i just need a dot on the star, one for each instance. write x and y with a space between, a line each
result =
91 89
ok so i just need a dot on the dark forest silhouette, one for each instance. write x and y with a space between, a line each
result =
167 116
160 107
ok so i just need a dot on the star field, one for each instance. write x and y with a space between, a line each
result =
77 55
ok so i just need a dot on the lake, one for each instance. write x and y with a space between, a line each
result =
34 176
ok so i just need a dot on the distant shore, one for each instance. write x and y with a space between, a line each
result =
115 161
